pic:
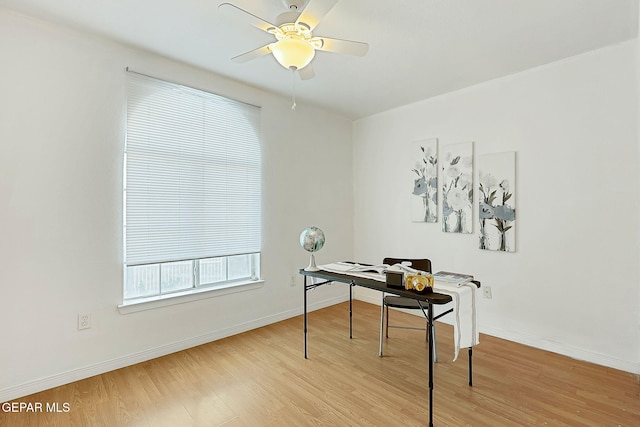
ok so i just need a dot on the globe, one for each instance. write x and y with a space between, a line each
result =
312 240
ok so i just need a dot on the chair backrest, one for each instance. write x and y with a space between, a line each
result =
419 264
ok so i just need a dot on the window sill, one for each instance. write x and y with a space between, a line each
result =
149 303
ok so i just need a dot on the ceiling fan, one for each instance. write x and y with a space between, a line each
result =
295 44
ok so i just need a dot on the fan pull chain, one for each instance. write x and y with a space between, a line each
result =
293 88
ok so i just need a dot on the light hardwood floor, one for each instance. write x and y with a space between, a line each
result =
260 378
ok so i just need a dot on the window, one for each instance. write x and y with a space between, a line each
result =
192 190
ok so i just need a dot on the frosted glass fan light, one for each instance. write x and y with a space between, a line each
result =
293 52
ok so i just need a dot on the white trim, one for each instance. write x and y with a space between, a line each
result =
569 351
15 392
141 304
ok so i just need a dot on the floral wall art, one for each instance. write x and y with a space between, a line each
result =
424 196
457 188
497 201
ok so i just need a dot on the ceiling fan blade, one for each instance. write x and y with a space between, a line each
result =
347 47
307 72
252 54
314 12
243 15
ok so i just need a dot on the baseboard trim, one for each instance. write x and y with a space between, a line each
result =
534 341
565 350
38 385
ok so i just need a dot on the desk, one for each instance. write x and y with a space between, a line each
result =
428 299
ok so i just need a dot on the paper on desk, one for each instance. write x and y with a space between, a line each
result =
347 268
448 278
465 325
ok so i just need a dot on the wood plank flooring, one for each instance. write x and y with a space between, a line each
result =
260 378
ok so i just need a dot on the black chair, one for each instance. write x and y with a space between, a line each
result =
394 301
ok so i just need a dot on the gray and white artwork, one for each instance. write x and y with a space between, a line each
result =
424 196
457 188
497 201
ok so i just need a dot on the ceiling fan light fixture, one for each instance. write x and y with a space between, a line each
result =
295 45
293 52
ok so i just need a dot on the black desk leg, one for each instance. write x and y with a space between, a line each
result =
351 285
305 317
381 323
470 367
430 333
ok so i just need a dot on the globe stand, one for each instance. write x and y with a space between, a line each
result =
312 264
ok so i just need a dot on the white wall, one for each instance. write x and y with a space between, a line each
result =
637 326
62 110
573 284
572 287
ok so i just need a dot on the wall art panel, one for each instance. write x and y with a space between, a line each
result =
457 188
424 199
497 201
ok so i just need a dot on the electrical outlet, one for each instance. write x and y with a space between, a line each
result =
486 292
293 281
84 321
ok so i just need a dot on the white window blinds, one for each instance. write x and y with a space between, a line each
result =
192 174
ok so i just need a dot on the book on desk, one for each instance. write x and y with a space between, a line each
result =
449 278
348 267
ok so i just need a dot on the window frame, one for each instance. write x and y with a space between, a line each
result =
195 288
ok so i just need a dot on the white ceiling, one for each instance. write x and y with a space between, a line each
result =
417 48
